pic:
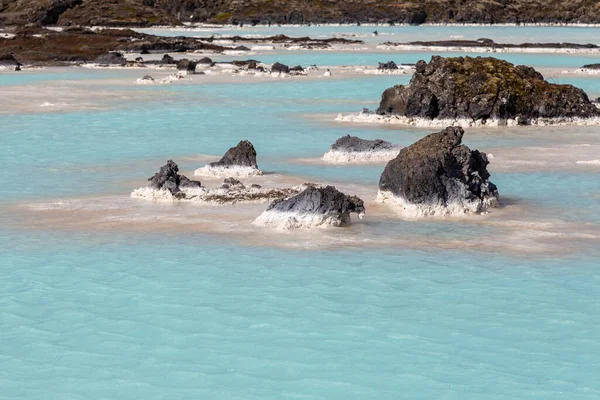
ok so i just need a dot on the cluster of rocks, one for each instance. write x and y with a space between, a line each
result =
475 90
387 66
306 205
437 175
284 69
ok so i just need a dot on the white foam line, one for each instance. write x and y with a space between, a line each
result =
456 207
582 71
360 157
589 162
237 171
424 122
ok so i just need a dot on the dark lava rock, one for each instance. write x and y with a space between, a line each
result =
243 155
355 144
483 88
297 68
187 66
167 59
229 183
591 66
281 68
205 60
390 65
9 61
242 48
440 171
327 201
111 59
168 178
148 78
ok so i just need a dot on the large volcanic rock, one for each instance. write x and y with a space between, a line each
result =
354 149
237 161
483 88
169 179
315 206
439 175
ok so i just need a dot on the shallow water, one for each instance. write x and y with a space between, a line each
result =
104 296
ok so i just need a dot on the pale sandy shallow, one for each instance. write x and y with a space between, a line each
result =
513 228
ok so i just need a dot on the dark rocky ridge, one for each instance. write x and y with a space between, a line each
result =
169 179
355 144
591 66
242 155
439 171
493 45
483 88
325 201
171 12
39 46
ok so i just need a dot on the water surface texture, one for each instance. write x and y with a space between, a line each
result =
105 298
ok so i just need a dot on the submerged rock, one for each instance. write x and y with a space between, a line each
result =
238 161
354 149
481 89
315 206
110 59
437 176
169 179
146 80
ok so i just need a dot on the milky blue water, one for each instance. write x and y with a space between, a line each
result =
91 314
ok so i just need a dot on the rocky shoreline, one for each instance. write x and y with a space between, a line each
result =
38 46
488 45
127 13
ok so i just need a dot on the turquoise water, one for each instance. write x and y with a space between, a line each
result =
406 57
161 314
501 34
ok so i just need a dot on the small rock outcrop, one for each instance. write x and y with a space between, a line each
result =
354 149
315 206
237 161
592 66
111 59
438 176
9 62
169 179
387 66
206 61
186 66
280 68
484 88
